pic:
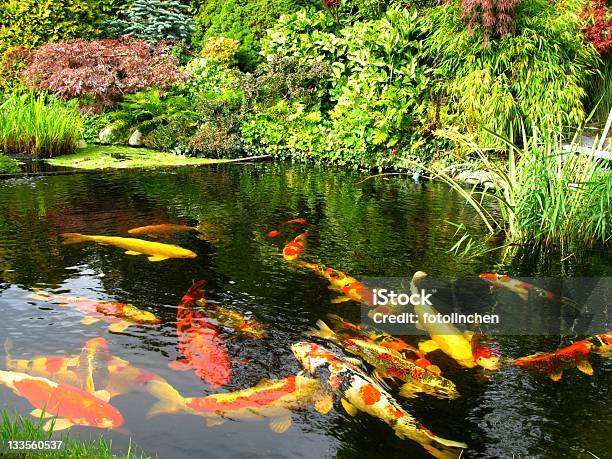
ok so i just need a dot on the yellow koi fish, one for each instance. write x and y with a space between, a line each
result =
163 229
272 399
358 392
462 347
235 320
156 251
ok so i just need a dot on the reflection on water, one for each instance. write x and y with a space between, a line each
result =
382 227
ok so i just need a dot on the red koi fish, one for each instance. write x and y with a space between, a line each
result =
200 342
272 399
299 221
524 290
120 316
273 233
70 405
573 356
359 392
349 287
294 248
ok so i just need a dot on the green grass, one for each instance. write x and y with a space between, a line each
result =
20 428
8 165
38 125
102 157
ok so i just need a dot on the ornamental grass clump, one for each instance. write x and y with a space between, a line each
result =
38 126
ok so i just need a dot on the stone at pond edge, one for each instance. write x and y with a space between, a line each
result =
106 134
81 144
135 139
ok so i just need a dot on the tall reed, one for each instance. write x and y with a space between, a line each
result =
549 194
38 125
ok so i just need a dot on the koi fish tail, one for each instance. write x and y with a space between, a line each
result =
73 238
170 401
323 332
436 446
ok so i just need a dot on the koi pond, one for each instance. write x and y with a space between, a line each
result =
59 291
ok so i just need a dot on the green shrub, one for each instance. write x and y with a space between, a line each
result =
12 64
38 125
32 23
155 20
245 21
221 48
536 74
8 165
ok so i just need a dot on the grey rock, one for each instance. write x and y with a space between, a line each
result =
135 139
106 134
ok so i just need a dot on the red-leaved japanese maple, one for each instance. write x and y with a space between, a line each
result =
495 16
598 30
101 71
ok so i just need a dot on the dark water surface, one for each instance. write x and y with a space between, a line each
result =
381 227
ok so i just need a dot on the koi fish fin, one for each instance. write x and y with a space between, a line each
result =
132 252
89 320
556 376
435 369
281 424
57 424
73 238
324 404
585 367
180 365
157 258
323 332
428 346
170 400
409 390
214 422
340 299
348 407
103 395
40 414
119 327
354 361
379 377
419 326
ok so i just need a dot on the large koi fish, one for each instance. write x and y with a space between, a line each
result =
462 347
156 251
391 364
359 392
70 405
119 315
200 342
294 248
271 399
575 355
349 287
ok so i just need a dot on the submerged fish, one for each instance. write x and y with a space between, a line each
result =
298 220
156 251
575 355
349 287
295 247
462 347
273 233
232 319
94 370
200 342
351 330
70 405
163 229
358 392
271 399
119 315
391 364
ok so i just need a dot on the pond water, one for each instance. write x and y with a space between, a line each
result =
387 226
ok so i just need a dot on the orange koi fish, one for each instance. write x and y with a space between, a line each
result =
575 355
164 229
232 319
200 342
369 334
272 399
273 233
95 370
349 287
359 392
294 248
524 290
119 315
299 221
70 405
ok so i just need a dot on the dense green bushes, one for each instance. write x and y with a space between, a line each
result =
245 21
40 126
